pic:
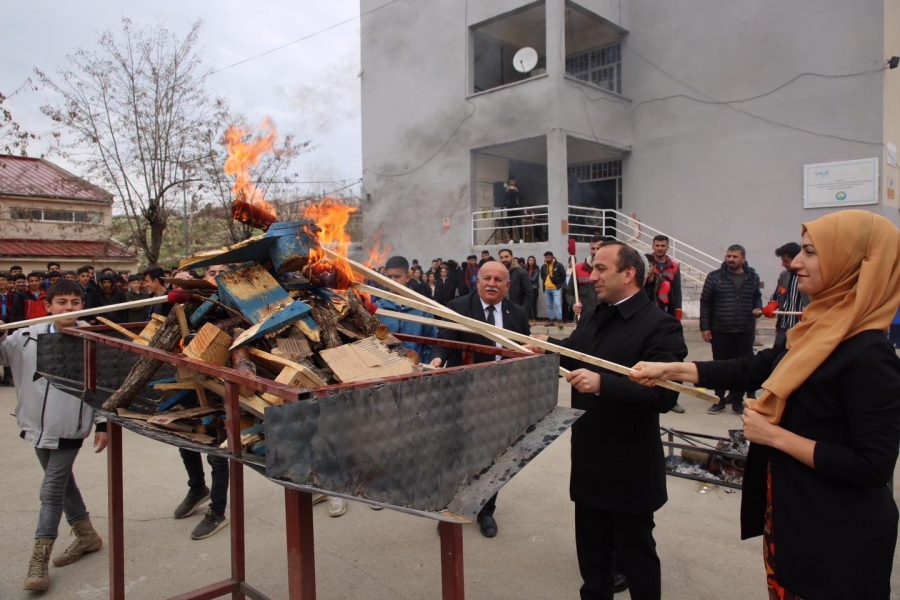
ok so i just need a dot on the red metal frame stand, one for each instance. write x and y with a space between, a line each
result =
298 517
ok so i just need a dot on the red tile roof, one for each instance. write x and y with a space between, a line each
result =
61 249
39 178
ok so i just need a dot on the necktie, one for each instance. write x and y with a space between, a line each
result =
490 314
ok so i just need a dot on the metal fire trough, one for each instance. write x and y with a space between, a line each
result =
436 444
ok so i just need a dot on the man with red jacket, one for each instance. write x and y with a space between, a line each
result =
664 283
30 303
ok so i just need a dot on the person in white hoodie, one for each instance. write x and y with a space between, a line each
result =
55 424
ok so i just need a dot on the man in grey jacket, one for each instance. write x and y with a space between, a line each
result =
55 424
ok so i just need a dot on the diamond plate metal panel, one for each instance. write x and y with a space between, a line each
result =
412 443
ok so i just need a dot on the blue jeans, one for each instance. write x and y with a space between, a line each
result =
554 304
58 492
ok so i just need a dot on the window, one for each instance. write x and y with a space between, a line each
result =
55 216
600 171
601 67
496 41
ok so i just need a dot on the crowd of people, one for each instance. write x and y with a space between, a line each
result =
824 434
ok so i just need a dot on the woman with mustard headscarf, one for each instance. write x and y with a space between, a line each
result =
825 433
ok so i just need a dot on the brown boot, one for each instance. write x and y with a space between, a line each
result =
86 540
38 579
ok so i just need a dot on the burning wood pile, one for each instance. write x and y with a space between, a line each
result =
287 313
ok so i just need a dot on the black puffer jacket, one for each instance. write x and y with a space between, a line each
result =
725 309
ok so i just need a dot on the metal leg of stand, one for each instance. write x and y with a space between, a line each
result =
300 545
116 533
452 581
235 487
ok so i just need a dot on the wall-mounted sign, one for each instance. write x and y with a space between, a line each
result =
846 183
446 223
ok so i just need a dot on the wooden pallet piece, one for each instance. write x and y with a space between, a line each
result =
132 336
188 413
275 364
288 376
365 360
210 344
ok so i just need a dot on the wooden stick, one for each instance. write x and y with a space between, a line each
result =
788 313
575 283
548 346
127 333
86 312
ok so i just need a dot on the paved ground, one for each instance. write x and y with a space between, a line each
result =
377 555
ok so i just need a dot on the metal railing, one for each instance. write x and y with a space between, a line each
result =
501 225
585 222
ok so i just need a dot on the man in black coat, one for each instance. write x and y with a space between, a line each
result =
490 306
730 303
618 473
519 281
444 287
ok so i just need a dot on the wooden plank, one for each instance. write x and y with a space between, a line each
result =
353 362
187 384
288 376
293 348
253 291
252 404
182 320
275 363
277 321
210 344
126 332
130 414
189 413
200 438
304 328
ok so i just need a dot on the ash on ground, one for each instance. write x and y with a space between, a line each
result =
710 464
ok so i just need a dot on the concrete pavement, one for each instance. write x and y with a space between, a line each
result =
376 555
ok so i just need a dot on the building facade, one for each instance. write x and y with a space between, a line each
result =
697 119
48 214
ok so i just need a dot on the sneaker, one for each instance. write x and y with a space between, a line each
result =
375 507
317 498
521 241
716 409
336 507
210 524
678 409
191 503
738 410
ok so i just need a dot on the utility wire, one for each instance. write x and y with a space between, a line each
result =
304 38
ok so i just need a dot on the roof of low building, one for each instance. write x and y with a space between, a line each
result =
61 249
39 178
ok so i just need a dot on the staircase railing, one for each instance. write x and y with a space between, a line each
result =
586 222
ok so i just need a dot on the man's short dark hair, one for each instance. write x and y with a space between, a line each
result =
548 253
14 267
84 269
53 274
19 276
661 238
64 287
791 249
67 273
597 238
471 257
4 275
397 262
502 250
37 274
52 264
134 277
737 248
91 267
629 257
483 252
153 273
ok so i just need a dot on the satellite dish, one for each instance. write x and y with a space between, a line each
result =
525 60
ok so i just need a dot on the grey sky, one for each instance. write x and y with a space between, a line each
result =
310 89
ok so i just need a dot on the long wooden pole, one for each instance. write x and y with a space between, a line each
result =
788 313
86 312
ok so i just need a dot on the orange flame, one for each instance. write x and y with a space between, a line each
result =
330 217
378 252
249 205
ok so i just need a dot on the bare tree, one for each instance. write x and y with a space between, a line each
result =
271 177
138 104
12 139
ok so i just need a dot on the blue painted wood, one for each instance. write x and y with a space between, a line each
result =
255 307
259 449
202 312
179 396
277 321
258 251
166 380
290 253
259 428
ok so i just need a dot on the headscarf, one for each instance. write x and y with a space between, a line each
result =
859 257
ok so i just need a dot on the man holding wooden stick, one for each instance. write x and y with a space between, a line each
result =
490 306
55 424
618 473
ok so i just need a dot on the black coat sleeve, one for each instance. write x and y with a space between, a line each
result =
870 397
676 289
746 373
665 344
707 297
525 282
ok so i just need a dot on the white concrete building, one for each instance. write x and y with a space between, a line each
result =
699 118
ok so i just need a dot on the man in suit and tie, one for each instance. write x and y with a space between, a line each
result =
618 472
491 306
